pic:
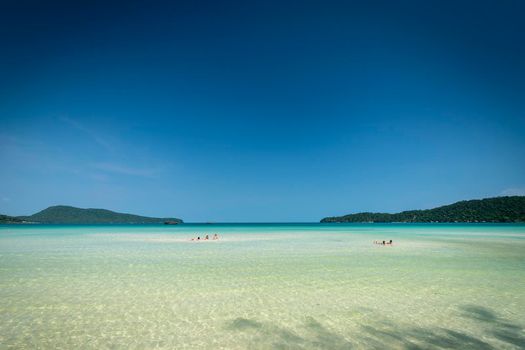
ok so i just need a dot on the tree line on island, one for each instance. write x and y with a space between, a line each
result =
62 214
498 209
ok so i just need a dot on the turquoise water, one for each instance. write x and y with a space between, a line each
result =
261 286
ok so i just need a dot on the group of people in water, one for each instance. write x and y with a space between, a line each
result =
206 238
383 242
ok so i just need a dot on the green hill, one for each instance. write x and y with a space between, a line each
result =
62 214
498 209
5 219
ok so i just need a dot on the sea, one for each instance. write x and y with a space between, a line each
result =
262 286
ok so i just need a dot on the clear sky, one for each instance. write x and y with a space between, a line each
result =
260 110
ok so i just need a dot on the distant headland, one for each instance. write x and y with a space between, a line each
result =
62 214
497 209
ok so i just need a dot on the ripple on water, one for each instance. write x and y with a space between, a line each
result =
314 289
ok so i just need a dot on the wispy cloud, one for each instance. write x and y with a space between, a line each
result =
99 177
102 141
48 158
126 170
515 191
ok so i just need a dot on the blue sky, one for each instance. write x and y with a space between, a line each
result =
260 111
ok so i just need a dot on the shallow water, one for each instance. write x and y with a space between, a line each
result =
263 286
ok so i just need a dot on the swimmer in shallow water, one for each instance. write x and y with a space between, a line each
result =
384 242
215 236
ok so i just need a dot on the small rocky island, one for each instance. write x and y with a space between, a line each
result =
171 222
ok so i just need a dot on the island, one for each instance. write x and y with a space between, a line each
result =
63 214
497 209
6 219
